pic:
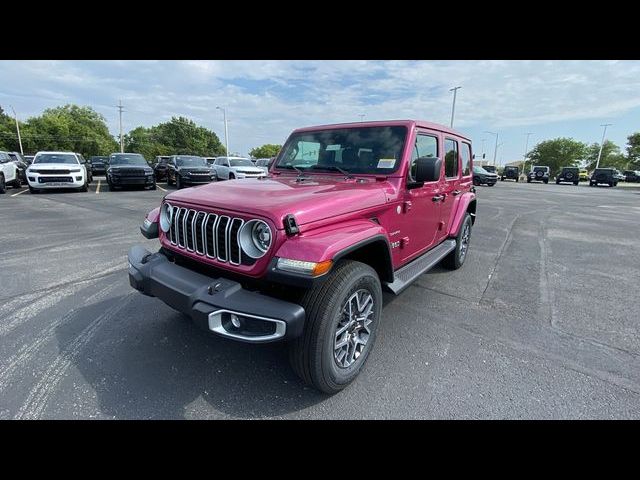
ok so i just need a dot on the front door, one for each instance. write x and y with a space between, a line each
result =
421 214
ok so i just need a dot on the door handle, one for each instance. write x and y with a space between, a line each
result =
438 198
456 192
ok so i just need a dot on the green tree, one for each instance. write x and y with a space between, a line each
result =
177 136
267 150
611 156
557 153
633 151
70 127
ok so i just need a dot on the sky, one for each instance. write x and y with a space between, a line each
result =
266 100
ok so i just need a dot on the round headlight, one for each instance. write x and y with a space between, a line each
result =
166 216
255 238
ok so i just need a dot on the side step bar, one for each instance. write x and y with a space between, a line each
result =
407 274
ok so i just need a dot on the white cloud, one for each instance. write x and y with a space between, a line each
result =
267 99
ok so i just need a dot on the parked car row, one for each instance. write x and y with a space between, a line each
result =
487 175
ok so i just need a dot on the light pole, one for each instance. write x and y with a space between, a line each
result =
453 107
526 150
15 115
226 131
120 109
602 142
495 151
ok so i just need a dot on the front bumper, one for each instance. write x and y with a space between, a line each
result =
120 180
211 302
44 181
197 180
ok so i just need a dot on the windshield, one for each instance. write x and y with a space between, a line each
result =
240 162
98 159
478 169
364 150
56 158
603 170
124 159
190 161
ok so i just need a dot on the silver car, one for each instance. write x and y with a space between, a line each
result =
228 168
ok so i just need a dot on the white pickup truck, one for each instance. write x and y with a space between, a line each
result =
8 172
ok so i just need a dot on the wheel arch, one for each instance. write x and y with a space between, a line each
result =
375 252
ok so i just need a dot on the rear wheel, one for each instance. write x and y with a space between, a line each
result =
342 317
456 258
575 183
546 181
178 182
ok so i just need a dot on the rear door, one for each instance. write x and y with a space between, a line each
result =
451 183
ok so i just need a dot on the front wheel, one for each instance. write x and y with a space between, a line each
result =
456 258
342 317
3 187
178 182
231 176
32 190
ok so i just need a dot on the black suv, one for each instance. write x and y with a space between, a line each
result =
160 167
603 175
539 174
126 169
189 170
99 165
510 172
568 175
631 176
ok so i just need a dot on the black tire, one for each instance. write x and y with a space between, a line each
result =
546 181
490 184
312 354
85 187
575 183
502 179
557 182
111 187
516 180
169 182
32 190
153 187
3 187
456 258
178 182
476 183
611 184
232 176
528 180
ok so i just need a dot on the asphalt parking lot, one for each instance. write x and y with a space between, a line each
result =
541 322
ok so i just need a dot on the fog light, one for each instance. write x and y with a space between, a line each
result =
235 321
78 178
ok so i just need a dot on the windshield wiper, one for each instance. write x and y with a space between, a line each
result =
291 167
333 167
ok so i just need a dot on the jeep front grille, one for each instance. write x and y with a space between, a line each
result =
207 234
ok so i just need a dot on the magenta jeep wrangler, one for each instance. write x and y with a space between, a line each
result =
303 255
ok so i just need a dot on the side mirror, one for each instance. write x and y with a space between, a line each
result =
427 170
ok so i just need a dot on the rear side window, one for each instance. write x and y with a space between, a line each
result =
451 158
466 159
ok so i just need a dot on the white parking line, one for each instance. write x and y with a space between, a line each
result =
21 191
160 187
98 187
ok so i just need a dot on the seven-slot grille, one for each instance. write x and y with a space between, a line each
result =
207 234
53 172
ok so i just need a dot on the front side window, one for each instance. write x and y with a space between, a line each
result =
425 146
451 161
361 150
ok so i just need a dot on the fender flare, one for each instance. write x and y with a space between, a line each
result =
465 203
